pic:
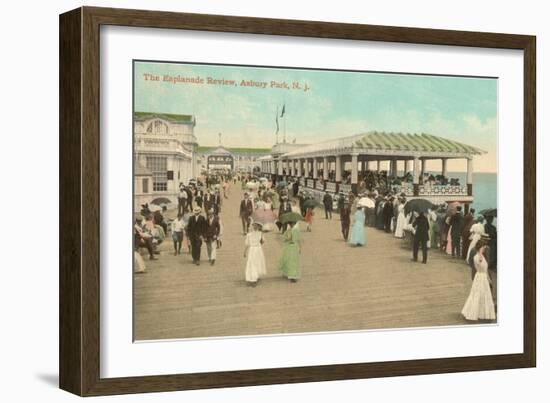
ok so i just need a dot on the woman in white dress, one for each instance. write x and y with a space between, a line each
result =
476 232
255 263
401 220
479 304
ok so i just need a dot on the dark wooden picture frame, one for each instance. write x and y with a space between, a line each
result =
79 279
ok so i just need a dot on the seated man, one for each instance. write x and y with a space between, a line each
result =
143 239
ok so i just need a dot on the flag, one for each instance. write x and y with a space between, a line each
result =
277 120
283 111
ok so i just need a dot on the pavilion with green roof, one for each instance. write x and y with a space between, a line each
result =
312 163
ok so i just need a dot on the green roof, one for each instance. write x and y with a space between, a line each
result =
394 143
236 150
166 116
412 142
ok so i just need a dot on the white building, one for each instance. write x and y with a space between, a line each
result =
233 158
165 144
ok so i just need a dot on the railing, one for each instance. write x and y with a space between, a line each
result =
431 190
441 190
331 187
310 183
345 188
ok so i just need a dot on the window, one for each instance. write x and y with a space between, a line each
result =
157 127
145 185
157 165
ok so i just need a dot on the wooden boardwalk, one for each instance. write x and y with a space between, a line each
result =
342 288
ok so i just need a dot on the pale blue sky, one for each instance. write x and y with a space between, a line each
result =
337 104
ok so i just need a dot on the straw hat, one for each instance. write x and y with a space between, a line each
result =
197 210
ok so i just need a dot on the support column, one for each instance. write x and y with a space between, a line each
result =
354 173
423 169
325 168
378 166
338 169
315 169
444 167
470 176
416 168
280 167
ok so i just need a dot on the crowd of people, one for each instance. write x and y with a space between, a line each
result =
197 222
265 207
445 228
370 180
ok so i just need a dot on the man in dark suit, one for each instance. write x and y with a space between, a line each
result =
199 197
211 234
245 212
456 223
295 188
345 220
217 203
421 229
491 230
208 200
195 232
285 207
341 200
327 202
388 214
189 205
466 225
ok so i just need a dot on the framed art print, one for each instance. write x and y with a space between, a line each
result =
252 201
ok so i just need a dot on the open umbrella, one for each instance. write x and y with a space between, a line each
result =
252 185
311 203
159 201
290 217
490 212
418 205
281 185
366 202
263 217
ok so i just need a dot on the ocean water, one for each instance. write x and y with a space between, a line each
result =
484 189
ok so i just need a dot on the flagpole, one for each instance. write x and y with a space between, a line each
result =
284 124
277 122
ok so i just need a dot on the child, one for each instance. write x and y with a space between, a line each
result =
255 263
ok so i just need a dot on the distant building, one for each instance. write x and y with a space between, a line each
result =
143 186
238 159
166 147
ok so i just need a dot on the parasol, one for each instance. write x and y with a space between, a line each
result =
490 212
290 217
159 201
311 203
418 205
281 185
252 185
263 216
366 202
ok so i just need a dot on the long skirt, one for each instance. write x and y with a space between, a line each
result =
479 304
449 246
289 263
400 226
255 264
357 234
